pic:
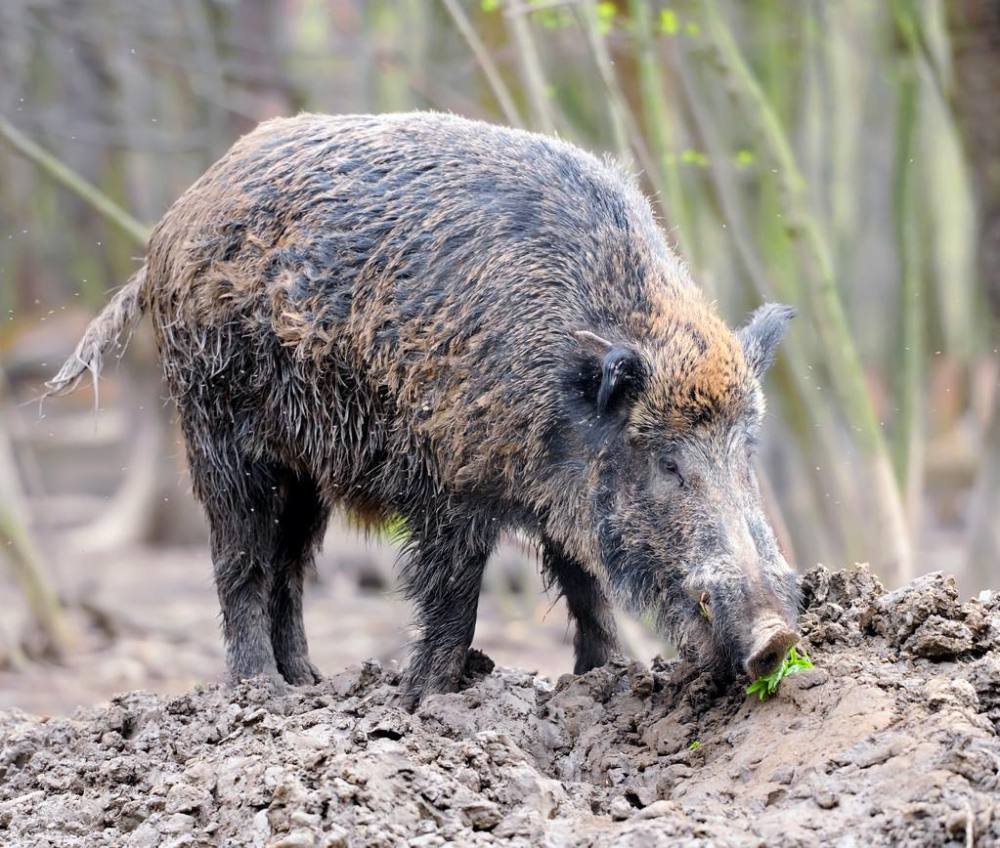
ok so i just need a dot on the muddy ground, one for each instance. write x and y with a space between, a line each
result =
147 617
890 740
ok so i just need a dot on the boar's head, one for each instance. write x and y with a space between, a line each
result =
669 425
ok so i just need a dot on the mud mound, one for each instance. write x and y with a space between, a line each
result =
891 739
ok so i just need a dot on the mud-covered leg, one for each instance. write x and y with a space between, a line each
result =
596 638
301 527
443 577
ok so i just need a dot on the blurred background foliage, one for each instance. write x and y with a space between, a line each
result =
840 155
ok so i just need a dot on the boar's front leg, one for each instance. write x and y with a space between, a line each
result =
596 638
443 577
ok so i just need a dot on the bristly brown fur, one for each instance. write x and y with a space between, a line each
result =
382 313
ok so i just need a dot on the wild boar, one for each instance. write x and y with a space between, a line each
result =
477 329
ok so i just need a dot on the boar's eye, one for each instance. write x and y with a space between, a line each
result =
667 463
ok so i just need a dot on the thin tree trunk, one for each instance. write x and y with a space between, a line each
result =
19 553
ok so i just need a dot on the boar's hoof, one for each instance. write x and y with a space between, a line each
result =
591 659
300 672
476 665
412 692
270 682
432 671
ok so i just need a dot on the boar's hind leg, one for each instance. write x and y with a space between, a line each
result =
595 640
443 576
241 499
265 524
300 531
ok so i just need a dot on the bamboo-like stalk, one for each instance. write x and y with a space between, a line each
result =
661 129
813 121
952 216
485 62
846 41
626 131
811 423
617 107
845 366
531 67
72 181
910 373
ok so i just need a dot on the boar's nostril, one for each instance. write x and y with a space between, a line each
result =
770 644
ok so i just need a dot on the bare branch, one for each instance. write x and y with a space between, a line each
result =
69 179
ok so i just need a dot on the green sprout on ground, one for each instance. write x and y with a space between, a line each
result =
695 745
765 687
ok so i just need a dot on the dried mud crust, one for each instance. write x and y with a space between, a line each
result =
890 740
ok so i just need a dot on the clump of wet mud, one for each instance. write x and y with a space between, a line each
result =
890 740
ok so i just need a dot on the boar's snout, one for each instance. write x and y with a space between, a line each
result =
770 640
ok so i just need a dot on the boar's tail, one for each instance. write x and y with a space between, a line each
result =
115 320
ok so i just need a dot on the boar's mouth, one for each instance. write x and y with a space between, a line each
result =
719 649
699 643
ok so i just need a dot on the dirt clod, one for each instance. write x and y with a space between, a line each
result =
891 739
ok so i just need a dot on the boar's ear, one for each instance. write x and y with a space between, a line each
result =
762 333
622 368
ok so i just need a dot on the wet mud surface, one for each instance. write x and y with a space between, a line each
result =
890 740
